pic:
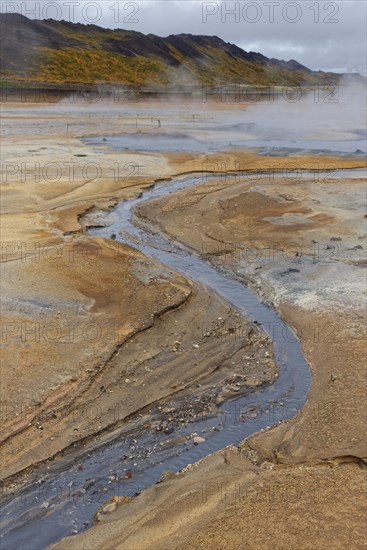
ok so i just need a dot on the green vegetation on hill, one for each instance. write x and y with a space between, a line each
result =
88 66
61 52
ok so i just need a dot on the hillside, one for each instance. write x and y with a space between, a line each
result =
61 52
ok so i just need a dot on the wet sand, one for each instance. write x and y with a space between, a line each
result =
71 302
319 289
311 469
57 275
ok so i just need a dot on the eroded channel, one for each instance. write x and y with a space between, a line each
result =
61 497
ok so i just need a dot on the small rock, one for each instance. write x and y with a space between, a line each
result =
108 508
111 506
167 475
197 440
121 500
176 346
333 377
168 410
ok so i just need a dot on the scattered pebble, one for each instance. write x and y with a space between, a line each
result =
108 508
197 440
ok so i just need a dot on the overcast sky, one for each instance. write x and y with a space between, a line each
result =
319 34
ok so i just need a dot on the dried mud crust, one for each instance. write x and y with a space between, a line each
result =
55 276
301 484
237 499
318 295
159 336
64 334
47 214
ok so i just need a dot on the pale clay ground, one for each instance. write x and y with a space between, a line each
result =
301 484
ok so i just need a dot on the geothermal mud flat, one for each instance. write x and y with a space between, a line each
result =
104 344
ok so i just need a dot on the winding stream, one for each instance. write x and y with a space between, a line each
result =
61 499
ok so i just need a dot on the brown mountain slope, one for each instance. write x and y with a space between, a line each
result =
61 52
